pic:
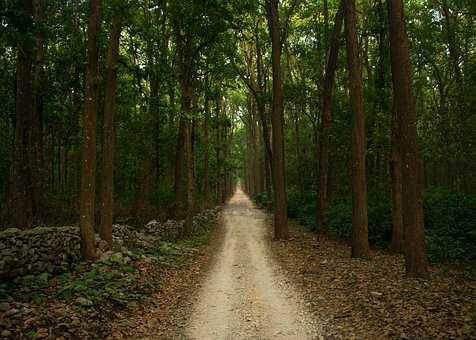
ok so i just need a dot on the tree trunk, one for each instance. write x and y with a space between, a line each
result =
326 119
396 176
36 152
21 199
206 137
297 138
189 164
280 214
261 109
360 243
220 169
107 203
414 234
178 170
88 165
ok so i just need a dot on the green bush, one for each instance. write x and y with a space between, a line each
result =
113 281
302 206
339 219
262 200
450 220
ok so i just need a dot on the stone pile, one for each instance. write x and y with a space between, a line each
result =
169 230
37 250
49 249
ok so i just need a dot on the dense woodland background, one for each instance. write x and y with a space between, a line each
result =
177 102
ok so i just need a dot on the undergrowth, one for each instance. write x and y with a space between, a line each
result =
450 220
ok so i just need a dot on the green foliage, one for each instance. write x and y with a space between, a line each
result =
339 219
168 252
263 201
449 220
112 281
302 206
29 287
196 240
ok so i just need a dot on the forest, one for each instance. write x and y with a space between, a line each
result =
143 141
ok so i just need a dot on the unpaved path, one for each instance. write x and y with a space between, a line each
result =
245 296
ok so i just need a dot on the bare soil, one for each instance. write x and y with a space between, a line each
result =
245 296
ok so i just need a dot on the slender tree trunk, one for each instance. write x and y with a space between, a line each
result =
326 119
297 138
460 100
415 246
206 137
21 199
179 158
107 203
188 156
261 108
280 214
396 175
268 153
36 147
360 243
256 157
88 165
27 163
186 89
220 169
222 159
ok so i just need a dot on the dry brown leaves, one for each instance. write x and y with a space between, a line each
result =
373 299
165 313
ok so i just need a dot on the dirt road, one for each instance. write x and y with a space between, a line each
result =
245 296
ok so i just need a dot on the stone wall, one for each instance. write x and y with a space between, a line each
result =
37 250
49 249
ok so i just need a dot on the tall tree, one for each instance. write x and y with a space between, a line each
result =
360 242
396 191
328 85
36 152
26 171
206 141
107 201
279 174
88 165
414 245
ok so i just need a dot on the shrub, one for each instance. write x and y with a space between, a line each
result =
339 219
450 220
302 206
263 201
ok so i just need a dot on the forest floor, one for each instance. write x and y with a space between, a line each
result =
244 285
239 292
235 282
374 299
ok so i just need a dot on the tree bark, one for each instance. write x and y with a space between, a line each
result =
28 143
396 176
88 165
107 200
21 198
36 152
179 158
206 137
220 169
360 243
328 86
188 156
414 234
261 108
279 174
